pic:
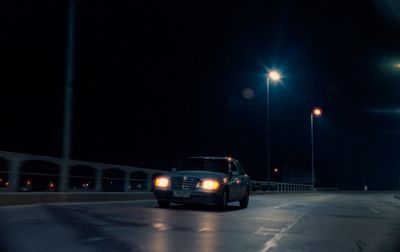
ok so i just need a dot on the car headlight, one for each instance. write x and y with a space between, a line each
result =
209 184
162 182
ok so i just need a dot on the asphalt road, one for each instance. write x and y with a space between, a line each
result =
273 222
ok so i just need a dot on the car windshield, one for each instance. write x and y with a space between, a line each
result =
200 164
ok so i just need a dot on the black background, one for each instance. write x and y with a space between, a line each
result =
157 81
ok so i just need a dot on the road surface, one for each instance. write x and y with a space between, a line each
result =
273 222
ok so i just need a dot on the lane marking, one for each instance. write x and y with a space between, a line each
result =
78 203
274 241
20 206
95 239
374 210
101 202
205 229
161 226
266 231
264 218
285 205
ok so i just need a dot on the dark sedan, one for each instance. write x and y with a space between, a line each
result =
204 180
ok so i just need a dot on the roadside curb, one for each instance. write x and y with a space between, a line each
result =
31 198
10 199
275 192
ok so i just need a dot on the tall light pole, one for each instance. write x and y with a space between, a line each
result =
69 79
273 76
316 112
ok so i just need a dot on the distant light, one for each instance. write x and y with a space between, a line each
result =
397 65
51 185
7 183
248 93
274 75
317 112
28 182
276 170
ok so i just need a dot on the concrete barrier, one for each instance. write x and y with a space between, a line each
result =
59 197
30 198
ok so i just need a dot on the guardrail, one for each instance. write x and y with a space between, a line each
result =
280 187
48 182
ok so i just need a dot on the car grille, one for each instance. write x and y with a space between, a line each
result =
184 183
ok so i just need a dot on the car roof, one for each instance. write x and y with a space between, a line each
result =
215 158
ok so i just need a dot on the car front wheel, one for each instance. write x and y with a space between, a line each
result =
245 201
223 202
163 203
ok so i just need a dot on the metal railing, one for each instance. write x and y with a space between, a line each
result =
280 186
49 182
36 181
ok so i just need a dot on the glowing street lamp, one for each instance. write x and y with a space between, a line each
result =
271 76
316 112
274 75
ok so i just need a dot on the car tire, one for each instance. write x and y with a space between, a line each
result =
245 201
163 203
223 201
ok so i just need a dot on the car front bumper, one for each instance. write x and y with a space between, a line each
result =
195 197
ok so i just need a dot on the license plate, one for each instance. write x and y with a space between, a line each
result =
182 194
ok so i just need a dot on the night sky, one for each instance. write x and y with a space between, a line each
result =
157 81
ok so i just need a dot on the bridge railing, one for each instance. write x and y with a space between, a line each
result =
280 186
27 172
124 181
49 182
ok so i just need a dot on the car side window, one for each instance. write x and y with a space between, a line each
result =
240 169
234 169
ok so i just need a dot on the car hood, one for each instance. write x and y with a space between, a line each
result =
199 174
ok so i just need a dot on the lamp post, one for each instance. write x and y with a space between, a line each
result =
69 79
273 76
316 112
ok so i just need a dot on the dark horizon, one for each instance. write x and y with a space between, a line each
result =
157 82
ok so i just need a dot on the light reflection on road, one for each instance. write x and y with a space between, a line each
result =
201 226
207 226
159 240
